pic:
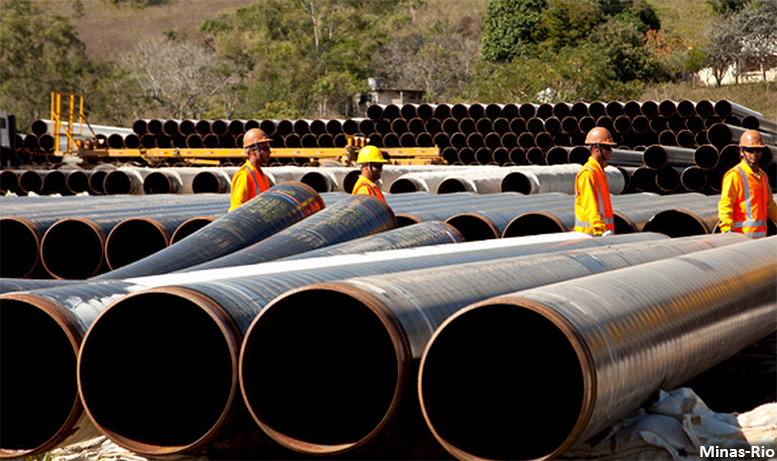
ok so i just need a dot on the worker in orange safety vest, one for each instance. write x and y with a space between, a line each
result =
371 161
746 200
250 181
593 210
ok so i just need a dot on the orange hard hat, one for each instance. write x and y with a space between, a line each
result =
751 138
599 135
254 136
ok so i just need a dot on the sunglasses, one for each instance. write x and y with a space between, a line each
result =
259 147
752 150
605 148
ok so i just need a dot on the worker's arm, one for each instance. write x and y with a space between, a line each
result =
239 190
586 203
729 194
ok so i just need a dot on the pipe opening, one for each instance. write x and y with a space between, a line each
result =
676 223
317 181
72 249
18 247
534 223
37 363
623 225
402 185
180 378
117 183
134 239
516 182
473 227
157 183
319 367
207 182
404 219
452 185
189 227
501 382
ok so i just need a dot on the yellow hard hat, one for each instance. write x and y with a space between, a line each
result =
751 138
599 135
370 154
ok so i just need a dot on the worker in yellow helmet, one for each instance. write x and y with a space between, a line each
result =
371 161
250 181
593 210
746 200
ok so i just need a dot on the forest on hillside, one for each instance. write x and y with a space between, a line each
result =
276 59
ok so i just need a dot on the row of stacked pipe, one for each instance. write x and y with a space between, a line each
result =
666 147
486 202
316 324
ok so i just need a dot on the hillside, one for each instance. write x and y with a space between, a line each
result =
109 31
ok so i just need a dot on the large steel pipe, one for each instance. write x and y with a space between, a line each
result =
556 178
212 180
268 213
722 134
595 349
361 352
212 308
350 218
695 218
20 246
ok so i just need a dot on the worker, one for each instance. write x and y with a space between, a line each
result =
371 162
250 181
746 200
593 210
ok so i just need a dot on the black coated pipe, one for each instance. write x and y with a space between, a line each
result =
19 246
695 218
601 345
268 213
352 217
391 317
215 313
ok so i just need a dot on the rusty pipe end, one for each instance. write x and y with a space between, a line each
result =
189 227
677 223
38 348
474 226
534 223
506 356
19 247
323 368
73 248
179 351
134 239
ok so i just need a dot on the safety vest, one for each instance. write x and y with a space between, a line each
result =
364 186
256 183
750 211
601 206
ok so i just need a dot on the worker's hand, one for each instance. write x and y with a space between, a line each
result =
606 233
728 232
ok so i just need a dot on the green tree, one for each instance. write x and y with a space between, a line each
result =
757 23
509 26
569 23
727 7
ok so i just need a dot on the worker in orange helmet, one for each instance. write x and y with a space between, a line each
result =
746 200
593 210
250 181
371 161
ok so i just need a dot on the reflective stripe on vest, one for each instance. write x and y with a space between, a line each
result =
257 190
751 221
599 203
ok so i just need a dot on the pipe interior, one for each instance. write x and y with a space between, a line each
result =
176 370
502 382
72 249
533 224
451 185
675 223
403 185
319 367
18 249
157 183
316 180
117 183
204 182
188 228
473 227
37 365
516 182
132 240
